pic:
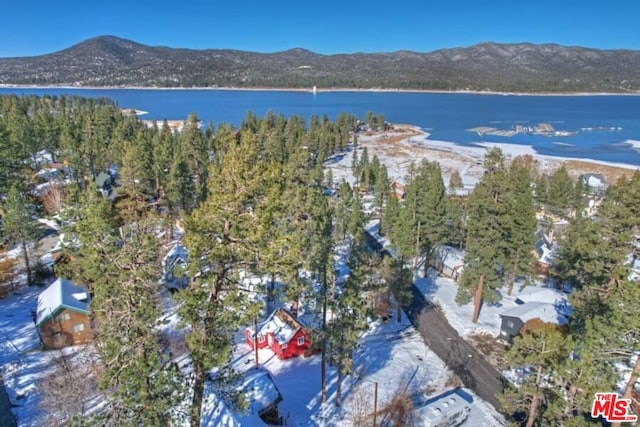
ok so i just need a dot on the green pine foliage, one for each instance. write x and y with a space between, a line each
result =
18 224
536 354
120 267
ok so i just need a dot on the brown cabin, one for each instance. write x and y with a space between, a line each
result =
397 190
62 316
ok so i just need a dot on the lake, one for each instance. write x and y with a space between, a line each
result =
600 127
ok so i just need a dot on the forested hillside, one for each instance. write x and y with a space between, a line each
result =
524 67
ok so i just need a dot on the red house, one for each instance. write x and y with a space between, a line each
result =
283 333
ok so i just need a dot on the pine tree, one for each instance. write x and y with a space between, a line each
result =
521 225
560 193
18 224
350 310
488 211
222 241
594 257
403 237
455 180
321 264
539 350
120 268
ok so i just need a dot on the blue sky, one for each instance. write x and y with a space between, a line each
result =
326 26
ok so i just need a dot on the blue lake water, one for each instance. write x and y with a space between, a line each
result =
604 124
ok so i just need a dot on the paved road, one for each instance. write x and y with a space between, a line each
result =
467 363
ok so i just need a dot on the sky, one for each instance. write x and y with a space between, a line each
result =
328 26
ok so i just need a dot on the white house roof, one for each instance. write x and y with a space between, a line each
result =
61 294
536 310
282 324
540 294
450 257
259 390
594 180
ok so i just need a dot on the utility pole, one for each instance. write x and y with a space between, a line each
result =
375 404
255 338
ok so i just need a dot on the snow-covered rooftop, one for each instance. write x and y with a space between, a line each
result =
259 390
450 256
540 310
61 293
540 294
282 324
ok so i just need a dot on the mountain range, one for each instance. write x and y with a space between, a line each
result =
520 67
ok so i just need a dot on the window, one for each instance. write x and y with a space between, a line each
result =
260 338
510 324
79 327
300 340
62 317
284 346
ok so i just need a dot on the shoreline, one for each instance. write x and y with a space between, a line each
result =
479 148
321 90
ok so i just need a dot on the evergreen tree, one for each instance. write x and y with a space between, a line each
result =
455 180
350 311
120 268
538 351
488 215
560 193
18 224
521 225
455 222
321 264
222 241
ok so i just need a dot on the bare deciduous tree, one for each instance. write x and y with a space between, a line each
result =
67 390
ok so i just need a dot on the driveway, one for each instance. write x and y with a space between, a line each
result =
466 362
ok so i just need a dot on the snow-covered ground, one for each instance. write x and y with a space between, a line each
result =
442 291
392 354
21 361
397 152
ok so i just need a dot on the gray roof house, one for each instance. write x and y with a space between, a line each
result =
514 319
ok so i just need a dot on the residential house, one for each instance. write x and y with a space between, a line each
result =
283 333
260 393
397 190
62 315
543 251
595 183
174 266
448 260
514 319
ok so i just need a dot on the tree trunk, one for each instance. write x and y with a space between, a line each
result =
477 300
535 402
323 362
255 338
513 274
198 393
417 249
339 384
399 293
27 266
628 390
